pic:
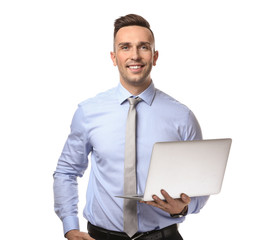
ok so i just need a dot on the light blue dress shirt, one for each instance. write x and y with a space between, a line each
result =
98 127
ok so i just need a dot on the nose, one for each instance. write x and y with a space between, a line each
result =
135 54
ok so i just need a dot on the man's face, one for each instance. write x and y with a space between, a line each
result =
134 55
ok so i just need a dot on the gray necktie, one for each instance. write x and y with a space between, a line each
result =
130 206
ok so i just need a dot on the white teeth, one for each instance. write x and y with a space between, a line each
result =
134 67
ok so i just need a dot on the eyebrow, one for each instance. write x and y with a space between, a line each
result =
129 43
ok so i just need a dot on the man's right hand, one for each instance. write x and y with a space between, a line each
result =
77 235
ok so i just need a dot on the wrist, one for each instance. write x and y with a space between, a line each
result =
70 223
71 233
183 213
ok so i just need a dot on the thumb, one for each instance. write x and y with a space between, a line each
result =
185 198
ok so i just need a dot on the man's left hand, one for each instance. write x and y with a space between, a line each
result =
170 205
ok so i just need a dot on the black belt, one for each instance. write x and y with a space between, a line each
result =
100 233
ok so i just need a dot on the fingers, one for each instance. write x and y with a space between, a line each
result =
154 203
87 237
170 204
165 205
167 197
77 235
183 197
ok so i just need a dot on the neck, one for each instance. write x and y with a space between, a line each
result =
136 89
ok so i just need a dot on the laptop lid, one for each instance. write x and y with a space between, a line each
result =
195 168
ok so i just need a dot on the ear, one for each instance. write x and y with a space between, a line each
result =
155 58
113 57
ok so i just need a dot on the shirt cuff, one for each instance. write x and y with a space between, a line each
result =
192 205
70 223
196 204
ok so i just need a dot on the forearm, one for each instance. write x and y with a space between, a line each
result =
66 200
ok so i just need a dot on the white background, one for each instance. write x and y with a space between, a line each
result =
214 57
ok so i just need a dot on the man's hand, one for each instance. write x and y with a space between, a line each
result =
170 205
77 235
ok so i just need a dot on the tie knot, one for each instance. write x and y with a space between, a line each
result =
134 101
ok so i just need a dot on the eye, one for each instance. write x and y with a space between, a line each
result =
144 47
124 47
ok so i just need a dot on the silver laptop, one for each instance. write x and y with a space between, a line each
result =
195 168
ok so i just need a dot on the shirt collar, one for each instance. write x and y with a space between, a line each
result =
147 95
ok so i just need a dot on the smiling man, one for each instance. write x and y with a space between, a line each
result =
100 127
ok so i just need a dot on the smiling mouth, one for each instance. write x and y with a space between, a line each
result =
135 67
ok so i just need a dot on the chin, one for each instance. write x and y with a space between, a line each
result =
137 82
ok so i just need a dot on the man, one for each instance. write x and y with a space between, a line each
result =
99 127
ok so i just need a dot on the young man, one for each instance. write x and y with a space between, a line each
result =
99 127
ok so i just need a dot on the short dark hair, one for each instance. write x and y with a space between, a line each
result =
131 20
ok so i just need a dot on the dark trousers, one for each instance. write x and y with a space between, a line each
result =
103 234
176 236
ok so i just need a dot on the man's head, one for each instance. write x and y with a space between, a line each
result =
134 51
131 20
